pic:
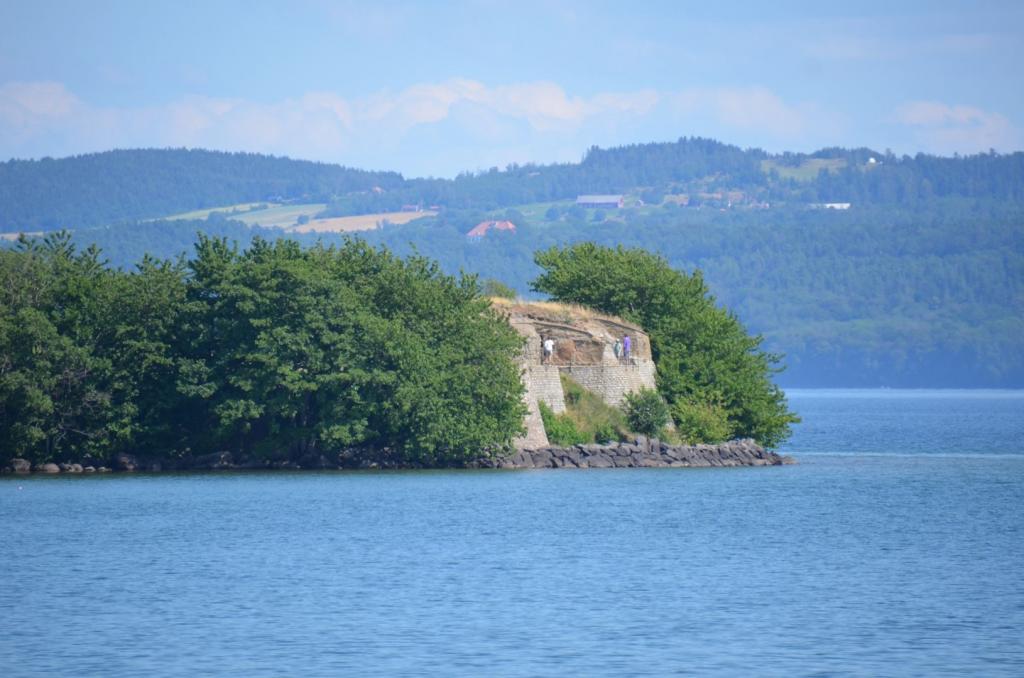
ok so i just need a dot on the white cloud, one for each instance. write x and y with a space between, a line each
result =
545 105
436 122
317 124
942 128
756 109
32 105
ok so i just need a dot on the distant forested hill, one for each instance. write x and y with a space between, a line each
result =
705 170
105 188
919 283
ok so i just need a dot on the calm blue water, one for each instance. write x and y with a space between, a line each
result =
896 547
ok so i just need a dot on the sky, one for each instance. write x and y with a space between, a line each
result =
438 88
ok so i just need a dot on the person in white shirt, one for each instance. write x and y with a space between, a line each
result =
549 349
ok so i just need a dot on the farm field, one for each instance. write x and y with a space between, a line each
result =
269 215
362 222
286 217
280 216
807 170
534 211
203 214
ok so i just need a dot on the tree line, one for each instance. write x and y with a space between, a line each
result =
274 351
277 351
923 296
101 189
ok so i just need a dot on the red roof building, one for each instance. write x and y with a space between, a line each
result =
480 230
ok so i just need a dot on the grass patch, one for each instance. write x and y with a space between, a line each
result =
264 214
594 419
362 222
535 211
281 216
241 208
556 311
805 171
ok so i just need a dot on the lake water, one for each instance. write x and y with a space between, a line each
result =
895 547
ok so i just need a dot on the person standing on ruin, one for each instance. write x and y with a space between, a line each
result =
549 349
617 350
627 346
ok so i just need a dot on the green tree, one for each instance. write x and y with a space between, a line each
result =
702 352
65 391
646 412
701 422
311 351
492 287
270 351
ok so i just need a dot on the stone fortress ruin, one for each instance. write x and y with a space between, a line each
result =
584 349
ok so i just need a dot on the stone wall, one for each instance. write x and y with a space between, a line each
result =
584 351
613 382
542 384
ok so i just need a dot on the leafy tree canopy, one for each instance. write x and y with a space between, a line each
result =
703 354
274 351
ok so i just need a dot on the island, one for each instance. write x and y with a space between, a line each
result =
284 357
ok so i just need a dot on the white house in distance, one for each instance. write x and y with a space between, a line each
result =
604 201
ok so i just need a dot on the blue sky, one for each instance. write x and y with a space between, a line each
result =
437 88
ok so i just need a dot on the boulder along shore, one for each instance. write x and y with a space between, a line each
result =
639 453
642 453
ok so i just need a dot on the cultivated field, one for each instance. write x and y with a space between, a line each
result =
286 217
807 170
270 216
362 222
202 214
280 216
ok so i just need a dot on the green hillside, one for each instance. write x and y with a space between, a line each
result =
100 189
919 283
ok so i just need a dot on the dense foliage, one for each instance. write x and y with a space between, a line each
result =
703 354
271 352
647 413
587 417
561 429
915 297
923 296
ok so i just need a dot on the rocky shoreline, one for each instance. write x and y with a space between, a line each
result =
640 453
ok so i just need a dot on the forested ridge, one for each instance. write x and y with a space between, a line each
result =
923 296
106 188
920 283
